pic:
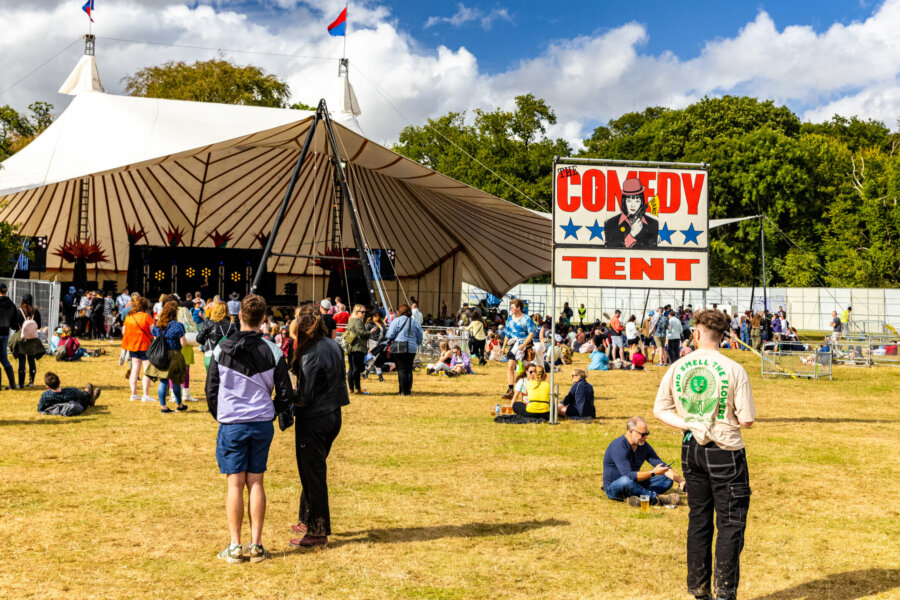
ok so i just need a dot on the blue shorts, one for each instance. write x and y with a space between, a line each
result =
244 446
139 354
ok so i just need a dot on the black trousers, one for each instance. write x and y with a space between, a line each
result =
357 361
717 482
32 369
673 347
404 362
314 438
477 347
519 408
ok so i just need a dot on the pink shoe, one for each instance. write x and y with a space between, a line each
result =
309 541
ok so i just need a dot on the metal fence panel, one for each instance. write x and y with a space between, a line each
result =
46 296
795 359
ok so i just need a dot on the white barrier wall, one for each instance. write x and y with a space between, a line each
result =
807 308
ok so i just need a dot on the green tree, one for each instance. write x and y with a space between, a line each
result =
215 80
509 148
10 247
18 129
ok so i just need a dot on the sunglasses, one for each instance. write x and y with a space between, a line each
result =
643 435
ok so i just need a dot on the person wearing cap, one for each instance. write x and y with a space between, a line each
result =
234 305
9 322
633 228
69 305
325 309
197 312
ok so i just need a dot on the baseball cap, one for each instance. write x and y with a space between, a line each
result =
652 313
3 288
326 304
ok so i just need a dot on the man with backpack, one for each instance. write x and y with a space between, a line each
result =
9 322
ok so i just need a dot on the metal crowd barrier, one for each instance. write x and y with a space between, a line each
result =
46 299
866 352
796 359
430 351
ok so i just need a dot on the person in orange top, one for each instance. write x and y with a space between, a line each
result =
136 338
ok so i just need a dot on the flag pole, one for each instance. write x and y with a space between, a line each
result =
346 28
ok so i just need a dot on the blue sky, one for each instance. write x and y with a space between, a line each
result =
591 61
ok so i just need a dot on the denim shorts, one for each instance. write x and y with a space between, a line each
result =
139 354
244 446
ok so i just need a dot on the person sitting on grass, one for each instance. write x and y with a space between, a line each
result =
520 389
244 371
599 358
638 360
65 402
442 364
622 479
460 362
579 402
538 405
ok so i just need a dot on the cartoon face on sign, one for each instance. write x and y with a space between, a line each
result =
633 227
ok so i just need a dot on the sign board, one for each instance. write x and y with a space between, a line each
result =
621 225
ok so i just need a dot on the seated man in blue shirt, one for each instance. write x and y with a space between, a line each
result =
579 402
622 479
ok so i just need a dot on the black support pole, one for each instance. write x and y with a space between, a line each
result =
354 221
257 279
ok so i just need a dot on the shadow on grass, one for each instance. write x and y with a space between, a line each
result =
399 535
841 586
809 420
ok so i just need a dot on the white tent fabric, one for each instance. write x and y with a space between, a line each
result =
205 169
84 78
713 223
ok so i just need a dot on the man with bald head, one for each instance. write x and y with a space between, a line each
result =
622 478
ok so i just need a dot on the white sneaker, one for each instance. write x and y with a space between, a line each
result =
148 399
186 396
134 397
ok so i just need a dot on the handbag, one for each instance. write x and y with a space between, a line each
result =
158 353
209 346
400 347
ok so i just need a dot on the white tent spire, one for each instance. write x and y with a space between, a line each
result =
84 77
349 106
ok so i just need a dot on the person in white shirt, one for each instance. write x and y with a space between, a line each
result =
708 397
417 314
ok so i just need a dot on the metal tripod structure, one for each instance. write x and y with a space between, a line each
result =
342 195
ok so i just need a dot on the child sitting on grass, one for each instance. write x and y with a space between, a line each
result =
65 402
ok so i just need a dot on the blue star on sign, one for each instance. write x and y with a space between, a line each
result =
690 234
665 234
571 229
596 230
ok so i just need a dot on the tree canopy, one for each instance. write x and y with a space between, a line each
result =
829 189
17 129
214 80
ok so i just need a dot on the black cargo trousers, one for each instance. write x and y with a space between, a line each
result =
717 481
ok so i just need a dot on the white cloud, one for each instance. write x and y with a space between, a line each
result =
851 69
465 14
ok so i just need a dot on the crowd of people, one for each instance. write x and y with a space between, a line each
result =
264 367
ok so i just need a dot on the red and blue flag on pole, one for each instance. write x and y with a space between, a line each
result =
339 27
88 7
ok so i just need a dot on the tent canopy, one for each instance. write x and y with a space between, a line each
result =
205 169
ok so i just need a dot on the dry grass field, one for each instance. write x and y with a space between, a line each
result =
430 499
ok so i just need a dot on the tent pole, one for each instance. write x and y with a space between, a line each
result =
354 221
257 279
646 300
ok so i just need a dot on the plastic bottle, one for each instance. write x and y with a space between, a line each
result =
497 410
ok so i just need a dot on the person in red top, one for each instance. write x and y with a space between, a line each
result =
136 338
341 318
617 343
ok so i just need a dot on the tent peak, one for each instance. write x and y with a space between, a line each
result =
84 78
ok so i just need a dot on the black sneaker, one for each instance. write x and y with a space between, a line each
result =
166 410
181 407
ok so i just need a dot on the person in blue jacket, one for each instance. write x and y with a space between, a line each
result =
579 402
405 335
599 358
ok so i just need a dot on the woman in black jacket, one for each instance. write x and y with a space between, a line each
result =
30 349
318 364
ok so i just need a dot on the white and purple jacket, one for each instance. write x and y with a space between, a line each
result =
244 371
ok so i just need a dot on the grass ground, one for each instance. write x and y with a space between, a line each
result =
430 499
